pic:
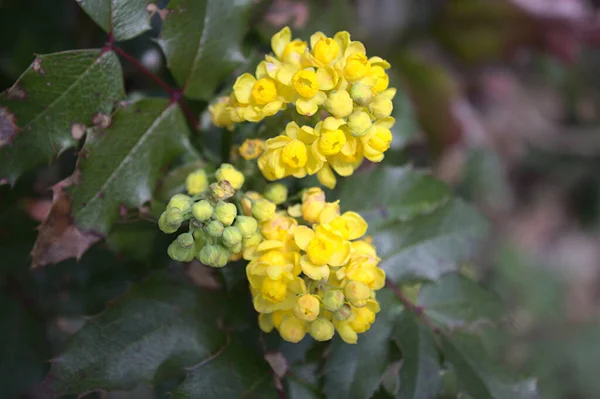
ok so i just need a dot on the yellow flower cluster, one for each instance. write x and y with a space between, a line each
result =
317 279
333 75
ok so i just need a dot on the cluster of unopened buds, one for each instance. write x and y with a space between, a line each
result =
332 80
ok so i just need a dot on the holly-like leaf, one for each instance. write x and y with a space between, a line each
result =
161 323
428 246
201 40
479 375
455 301
234 372
125 19
52 103
394 193
420 375
355 371
121 164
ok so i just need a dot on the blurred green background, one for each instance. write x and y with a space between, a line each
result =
500 98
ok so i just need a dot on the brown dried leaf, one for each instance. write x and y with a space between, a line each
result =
58 238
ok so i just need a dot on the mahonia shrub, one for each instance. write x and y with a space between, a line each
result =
242 234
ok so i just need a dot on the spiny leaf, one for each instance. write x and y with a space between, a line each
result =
125 19
235 372
121 164
420 375
57 92
455 301
395 193
355 371
161 323
201 41
428 246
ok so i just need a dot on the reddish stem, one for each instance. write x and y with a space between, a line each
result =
411 306
133 61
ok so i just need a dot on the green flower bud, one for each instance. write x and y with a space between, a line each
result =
237 248
225 212
202 210
179 253
181 201
343 313
339 104
214 228
214 255
200 238
164 226
186 240
174 217
359 123
231 236
277 193
292 329
263 209
321 329
222 190
333 300
361 94
307 307
357 293
247 225
253 241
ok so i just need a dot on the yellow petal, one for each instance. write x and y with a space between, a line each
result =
272 108
357 227
268 245
327 78
326 177
313 163
307 135
277 142
353 48
312 271
291 130
265 322
242 88
261 70
340 166
302 236
378 61
346 332
343 39
331 123
373 305
306 107
297 285
315 37
385 123
285 73
379 279
280 40
341 255
388 94
261 305
329 212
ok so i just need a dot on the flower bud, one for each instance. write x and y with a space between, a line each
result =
313 202
199 238
357 293
214 229
292 329
361 94
247 225
180 253
321 329
174 218
214 255
202 210
225 212
221 190
277 193
181 201
236 249
343 313
186 240
263 209
381 107
253 241
231 236
359 123
339 103
196 182
232 175
307 307
248 200
164 226
333 300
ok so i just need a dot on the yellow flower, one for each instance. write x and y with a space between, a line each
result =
285 49
357 66
307 307
251 148
220 113
381 106
232 175
306 85
258 98
378 139
292 329
326 50
313 203
196 182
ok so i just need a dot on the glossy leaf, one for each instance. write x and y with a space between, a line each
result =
455 301
121 165
428 246
420 375
52 103
234 372
125 19
201 40
355 371
394 193
160 323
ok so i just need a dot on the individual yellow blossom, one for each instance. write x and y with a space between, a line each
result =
307 307
220 113
227 172
196 182
357 66
251 148
377 140
339 104
285 49
306 85
381 106
259 97
313 203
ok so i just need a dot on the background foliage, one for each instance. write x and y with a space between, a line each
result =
485 211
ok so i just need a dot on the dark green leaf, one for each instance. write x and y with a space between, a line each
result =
161 323
355 371
234 372
201 40
478 374
23 347
395 193
428 246
456 301
420 375
120 165
125 19
53 102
